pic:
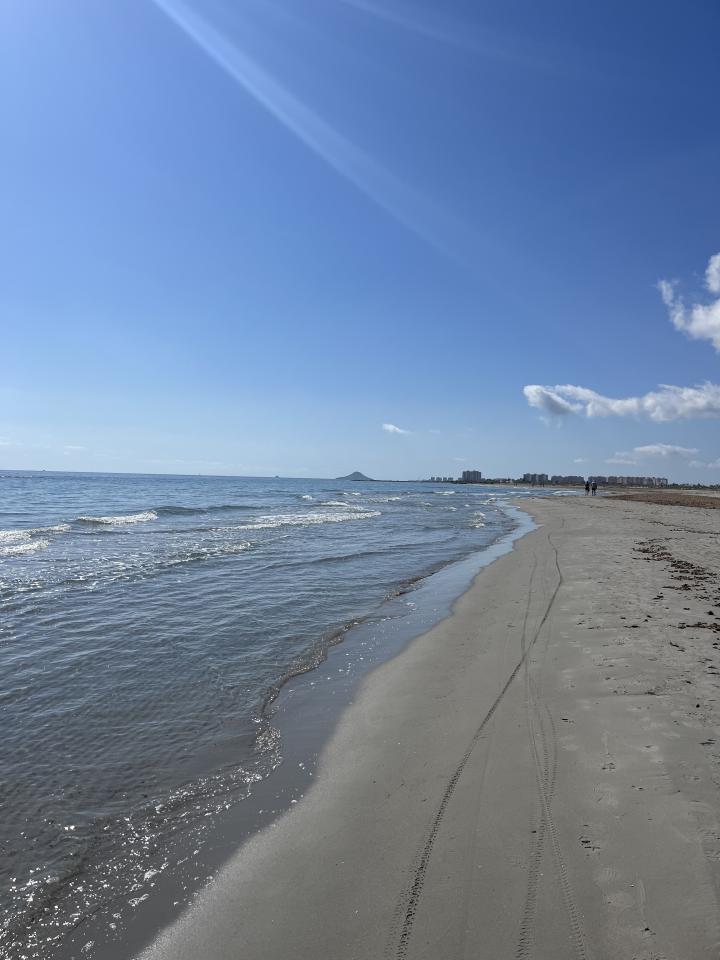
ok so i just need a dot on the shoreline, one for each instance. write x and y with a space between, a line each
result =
534 773
302 713
456 569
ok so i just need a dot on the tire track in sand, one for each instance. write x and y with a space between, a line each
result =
525 946
526 939
407 907
545 776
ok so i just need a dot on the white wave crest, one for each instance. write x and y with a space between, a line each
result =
203 552
142 567
122 518
12 536
344 506
306 519
19 548
307 496
18 542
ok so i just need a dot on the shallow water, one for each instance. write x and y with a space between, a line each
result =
147 622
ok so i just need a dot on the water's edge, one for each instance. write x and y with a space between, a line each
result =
303 710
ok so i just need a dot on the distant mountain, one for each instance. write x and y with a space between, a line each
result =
356 476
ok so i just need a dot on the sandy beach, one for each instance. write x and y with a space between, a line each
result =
536 776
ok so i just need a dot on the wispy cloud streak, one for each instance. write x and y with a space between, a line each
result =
433 31
391 428
412 209
664 450
488 43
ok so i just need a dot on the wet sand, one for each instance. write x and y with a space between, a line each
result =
536 776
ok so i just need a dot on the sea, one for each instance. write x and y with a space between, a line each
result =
147 626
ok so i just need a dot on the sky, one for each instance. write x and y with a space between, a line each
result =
305 237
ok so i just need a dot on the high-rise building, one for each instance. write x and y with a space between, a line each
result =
537 479
471 476
614 481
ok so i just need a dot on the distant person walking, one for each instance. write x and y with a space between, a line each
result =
587 487
594 487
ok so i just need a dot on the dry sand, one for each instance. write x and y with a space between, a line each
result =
675 498
536 777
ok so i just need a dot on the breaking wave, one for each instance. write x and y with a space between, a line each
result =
305 519
143 567
355 507
23 546
14 543
173 510
122 519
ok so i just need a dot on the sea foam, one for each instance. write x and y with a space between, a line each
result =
18 542
343 505
12 548
306 519
122 518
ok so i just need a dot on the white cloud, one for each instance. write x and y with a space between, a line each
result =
701 321
652 450
548 400
391 428
666 403
664 450
580 460
712 274
73 448
460 459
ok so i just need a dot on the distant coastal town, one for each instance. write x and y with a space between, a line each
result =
555 480
546 480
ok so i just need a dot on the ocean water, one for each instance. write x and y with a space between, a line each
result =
147 622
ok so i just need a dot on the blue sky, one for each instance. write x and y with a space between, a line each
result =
241 237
